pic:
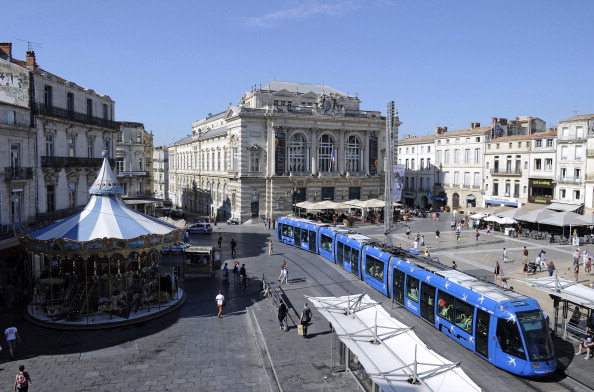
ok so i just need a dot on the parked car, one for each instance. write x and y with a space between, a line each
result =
177 214
200 228
232 221
177 248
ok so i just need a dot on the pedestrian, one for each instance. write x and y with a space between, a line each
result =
437 233
22 380
576 270
264 222
551 268
576 256
427 255
225 274
273 224
497 271
270 248
220 241
537 264
408 233
415 243
454 265
220 299
269 223
585 257
504 283
243 274
543 256
452 224
422 241
525 269
488 229
233 245
525 256
282 315
12 334
588 268
285 273
236 272
477 234
282 270
505 259
305 319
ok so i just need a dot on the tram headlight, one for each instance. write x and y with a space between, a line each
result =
536 366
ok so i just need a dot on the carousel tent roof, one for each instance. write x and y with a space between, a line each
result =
106 215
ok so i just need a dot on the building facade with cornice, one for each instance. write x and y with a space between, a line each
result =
282 144
417 155
161 174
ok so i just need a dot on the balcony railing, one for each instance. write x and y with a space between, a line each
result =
570 179
571 138
132 173
506 172
17 173
73 162
476 187
66 114
13 123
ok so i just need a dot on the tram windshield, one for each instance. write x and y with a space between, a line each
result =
536 335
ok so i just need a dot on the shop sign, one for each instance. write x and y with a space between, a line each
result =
538 200
501 199
542 183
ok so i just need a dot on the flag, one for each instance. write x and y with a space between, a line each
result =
333 156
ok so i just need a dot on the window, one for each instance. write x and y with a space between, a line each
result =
71 194
374 267
89 107
456 178
90 147
564 152
578 152
579 132
297 153
563 172
105 111
219 161
564 133
120 136
577 174
467 156
353 155
406 166
509 338
422 165
140 165
70 103
538 164
398 284
447 156
549 142
478 139
15 155
255 161
577 195
412 150
477 179
48 96
412 164
428 149
457 155
466 179
71 145
412 288
562 193
326 242
235 163
439 160
49 145
538 142
119 165
50 198
495 188
326 154
139 137
428 163
354 193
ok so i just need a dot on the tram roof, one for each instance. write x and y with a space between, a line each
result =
389 350
489 290
568 290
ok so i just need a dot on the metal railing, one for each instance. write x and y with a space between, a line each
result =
507 172
52 111
47 161
15 173
570 179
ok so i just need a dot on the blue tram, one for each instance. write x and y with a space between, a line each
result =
503 327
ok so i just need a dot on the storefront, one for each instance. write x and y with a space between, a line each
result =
540 190
496 201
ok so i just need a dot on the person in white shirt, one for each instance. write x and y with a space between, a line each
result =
11 336
220 302
585 257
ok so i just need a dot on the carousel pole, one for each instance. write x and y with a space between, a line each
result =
110 295
87 289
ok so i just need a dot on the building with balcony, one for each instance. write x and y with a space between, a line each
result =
519 169
161 174
283 143
459 160
134 165
417 155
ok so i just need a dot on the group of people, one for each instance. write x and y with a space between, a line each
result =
586 262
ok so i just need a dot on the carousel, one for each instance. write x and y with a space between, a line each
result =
102 267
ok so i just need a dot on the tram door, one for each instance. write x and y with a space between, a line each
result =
312 241
428 303
482 332
398 286
297 237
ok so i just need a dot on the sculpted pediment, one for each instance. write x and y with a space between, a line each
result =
310 94
283 93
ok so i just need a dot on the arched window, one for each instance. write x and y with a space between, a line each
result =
353 154
297 153
326 154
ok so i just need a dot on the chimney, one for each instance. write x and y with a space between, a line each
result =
6 50
477 125
31 63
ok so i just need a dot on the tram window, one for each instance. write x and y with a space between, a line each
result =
312 241
412 288
535 330
509 338
290 231
445 306
326 243
482 332
374 267
304 235
464 314
353 261
398 285
285 231
339 252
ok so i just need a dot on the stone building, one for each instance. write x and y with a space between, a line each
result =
161 174
417 154
283 143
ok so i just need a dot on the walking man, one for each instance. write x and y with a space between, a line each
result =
12 334
22 380
497 272
576 270
408 233
477 234
305 319
243 274
437 233
220 302
233 245
282 314
525 256
270 248
285 273
225 274
505 260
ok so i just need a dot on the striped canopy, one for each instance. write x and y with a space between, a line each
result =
105 216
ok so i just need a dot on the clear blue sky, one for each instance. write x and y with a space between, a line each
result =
447 63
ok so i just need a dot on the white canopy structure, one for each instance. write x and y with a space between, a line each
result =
371 203
478 216
537 216
491 218
566 289
390 352
507 221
